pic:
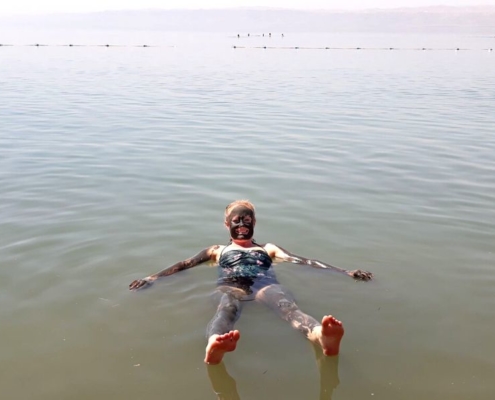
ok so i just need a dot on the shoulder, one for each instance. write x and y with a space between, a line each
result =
274 251
215 251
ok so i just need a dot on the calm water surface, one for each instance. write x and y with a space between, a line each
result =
117 162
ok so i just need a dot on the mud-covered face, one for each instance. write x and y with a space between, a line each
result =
241 223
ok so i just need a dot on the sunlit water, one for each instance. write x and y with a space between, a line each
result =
116 162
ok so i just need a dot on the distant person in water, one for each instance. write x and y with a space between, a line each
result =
246 273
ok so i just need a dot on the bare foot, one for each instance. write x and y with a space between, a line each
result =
329 335
218 345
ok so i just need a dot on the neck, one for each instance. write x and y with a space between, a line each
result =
243 242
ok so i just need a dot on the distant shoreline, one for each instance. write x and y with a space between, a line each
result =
436 19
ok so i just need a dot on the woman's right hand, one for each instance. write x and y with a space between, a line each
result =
142 283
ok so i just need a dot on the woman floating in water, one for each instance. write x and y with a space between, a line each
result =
246 273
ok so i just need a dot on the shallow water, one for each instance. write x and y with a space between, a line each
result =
116 162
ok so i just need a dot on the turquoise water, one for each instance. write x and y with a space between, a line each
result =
116 162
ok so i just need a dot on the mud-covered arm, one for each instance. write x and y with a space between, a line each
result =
284 255
203 256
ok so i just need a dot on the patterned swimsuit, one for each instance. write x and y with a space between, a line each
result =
242 268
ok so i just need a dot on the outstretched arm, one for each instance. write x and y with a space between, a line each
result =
284 255
203 256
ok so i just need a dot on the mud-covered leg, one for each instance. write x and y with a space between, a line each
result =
221 335
327 334
281 301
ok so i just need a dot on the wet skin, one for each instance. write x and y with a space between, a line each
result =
357 274
201 257
222 337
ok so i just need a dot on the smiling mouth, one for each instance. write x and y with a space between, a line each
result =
242 231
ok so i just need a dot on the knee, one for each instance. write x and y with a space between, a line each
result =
229 308
286 306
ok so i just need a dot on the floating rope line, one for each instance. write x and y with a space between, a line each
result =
255 47
356 48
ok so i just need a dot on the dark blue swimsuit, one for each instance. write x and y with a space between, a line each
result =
243 268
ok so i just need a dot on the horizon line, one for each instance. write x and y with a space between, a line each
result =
256 8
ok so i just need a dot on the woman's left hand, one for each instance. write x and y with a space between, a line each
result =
360 275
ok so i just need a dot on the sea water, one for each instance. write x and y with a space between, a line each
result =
116 162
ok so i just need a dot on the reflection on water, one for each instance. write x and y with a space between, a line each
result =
225 386
329 374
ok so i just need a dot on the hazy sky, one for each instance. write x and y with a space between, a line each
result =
50 6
